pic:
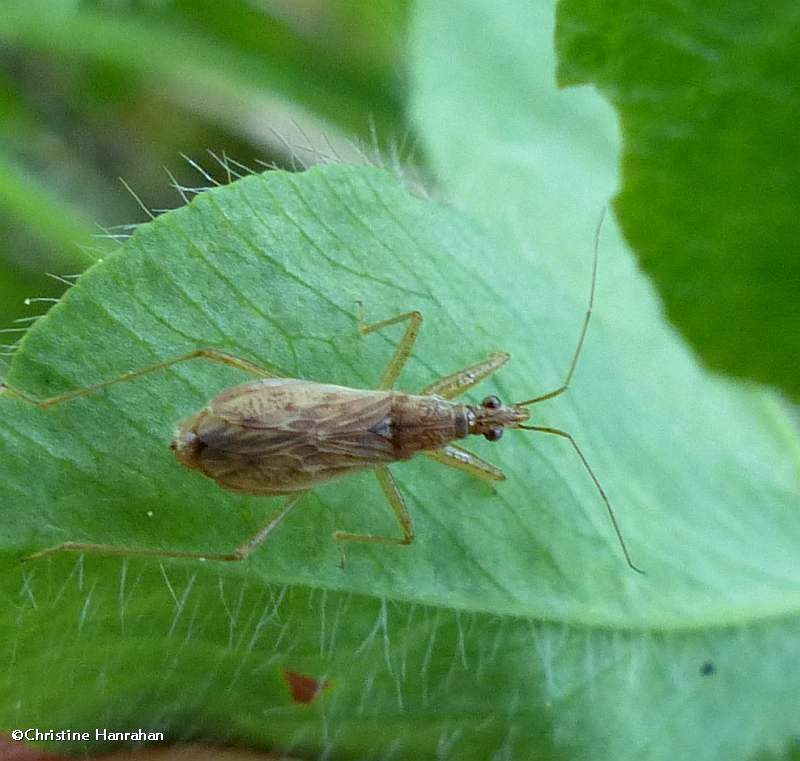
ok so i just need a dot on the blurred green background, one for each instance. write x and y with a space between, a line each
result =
95 91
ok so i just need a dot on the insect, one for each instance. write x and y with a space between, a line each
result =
282 436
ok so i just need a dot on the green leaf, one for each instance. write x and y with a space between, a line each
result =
707 97
695 660
270 268
512 627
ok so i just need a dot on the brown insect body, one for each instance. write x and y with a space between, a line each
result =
278 436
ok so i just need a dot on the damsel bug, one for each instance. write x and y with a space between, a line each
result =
281 436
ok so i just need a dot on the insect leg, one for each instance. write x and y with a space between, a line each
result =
568 436
455 457
243 551
213 355
403 351
457 383
398 504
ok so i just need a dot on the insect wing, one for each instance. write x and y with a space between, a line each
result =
275 436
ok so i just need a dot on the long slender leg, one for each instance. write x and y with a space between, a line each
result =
243 551
455 457
568 436
457 383
213 355
398 504
403 350
565 385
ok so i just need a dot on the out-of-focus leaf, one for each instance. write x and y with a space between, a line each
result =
708 101
223 55
27 201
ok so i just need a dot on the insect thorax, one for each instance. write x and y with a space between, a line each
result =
420 423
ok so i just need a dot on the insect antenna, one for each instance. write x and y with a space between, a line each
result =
617 531
565 385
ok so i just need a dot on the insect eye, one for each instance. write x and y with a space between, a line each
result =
494 434
492 403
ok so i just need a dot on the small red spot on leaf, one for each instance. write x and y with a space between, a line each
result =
304 688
